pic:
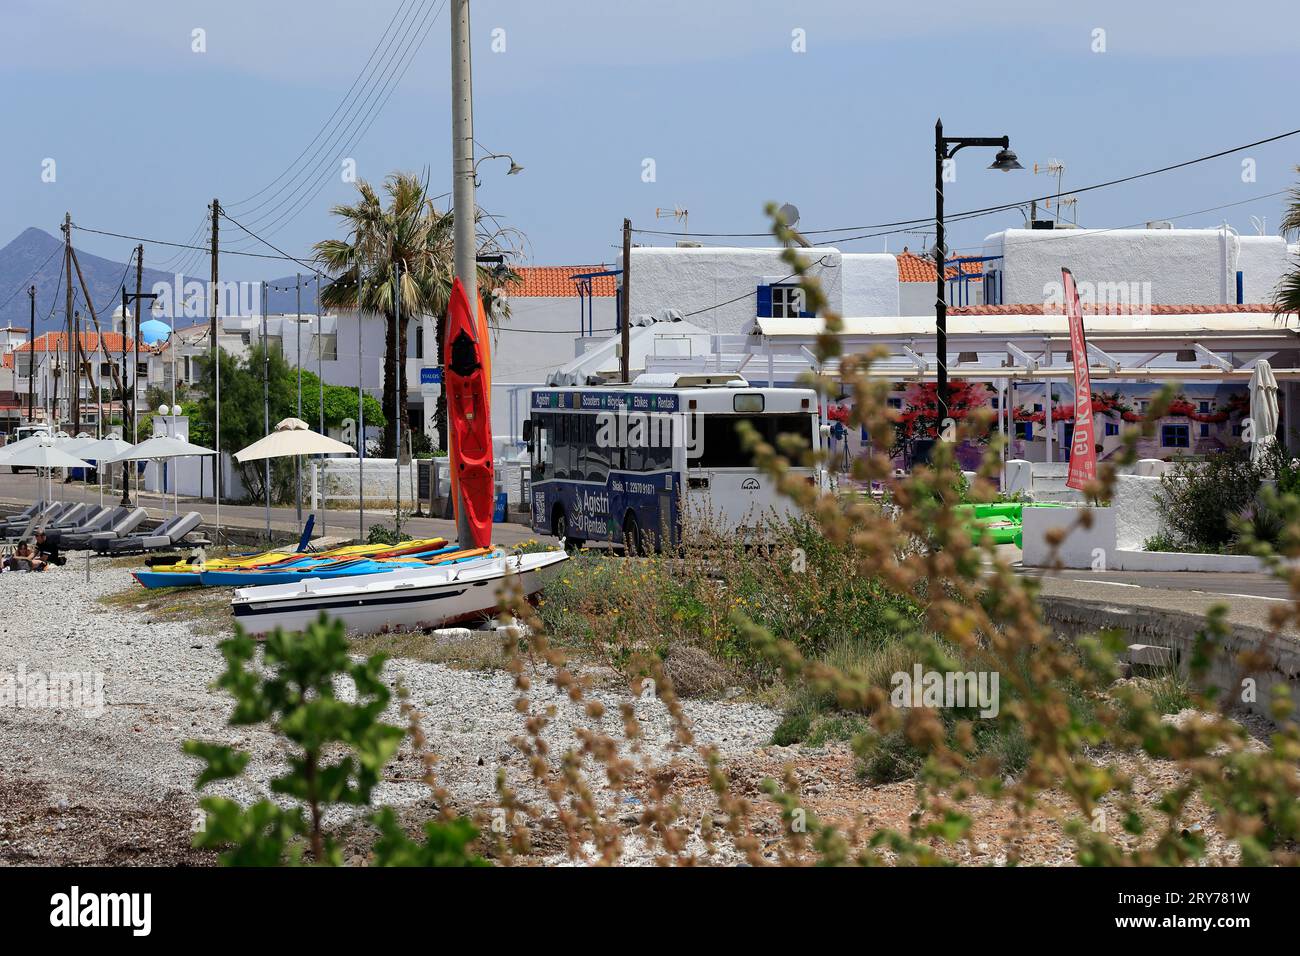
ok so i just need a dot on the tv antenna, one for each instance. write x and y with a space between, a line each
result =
1054 167
678 213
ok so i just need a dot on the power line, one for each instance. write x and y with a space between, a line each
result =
342 103
20 285
283 254
987 209
321 171
180 245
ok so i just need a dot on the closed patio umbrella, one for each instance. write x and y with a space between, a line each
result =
291 437
1263 409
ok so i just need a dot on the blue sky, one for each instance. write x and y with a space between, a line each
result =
145 131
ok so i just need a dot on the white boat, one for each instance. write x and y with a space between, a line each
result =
393 600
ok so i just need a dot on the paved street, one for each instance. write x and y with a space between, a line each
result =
17 491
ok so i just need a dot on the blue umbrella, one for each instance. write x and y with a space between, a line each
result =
154 331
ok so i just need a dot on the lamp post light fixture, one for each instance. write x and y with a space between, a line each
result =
514 170
945 147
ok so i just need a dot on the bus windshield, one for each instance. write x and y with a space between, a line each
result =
721 446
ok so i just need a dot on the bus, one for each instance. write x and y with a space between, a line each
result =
626 463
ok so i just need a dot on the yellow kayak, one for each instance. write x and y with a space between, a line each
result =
271 558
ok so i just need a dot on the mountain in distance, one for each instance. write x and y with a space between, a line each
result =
35 257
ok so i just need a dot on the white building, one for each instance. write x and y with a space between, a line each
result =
1153 266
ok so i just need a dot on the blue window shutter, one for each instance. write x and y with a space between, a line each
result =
764 302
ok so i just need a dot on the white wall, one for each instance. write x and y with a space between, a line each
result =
1183 266
869 283
690 279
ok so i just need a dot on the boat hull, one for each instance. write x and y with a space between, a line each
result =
396 600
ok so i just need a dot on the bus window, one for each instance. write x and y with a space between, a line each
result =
543 452
593 458
721 446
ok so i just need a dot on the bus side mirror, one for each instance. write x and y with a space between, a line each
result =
528 430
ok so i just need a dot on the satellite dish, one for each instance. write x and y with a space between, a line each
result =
790 213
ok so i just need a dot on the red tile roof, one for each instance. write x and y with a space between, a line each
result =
914 268
557 281
58 342
1106 309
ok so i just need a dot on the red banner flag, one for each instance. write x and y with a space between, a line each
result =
1083 442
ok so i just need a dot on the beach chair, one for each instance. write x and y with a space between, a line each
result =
69 518
166 535
118 529
102 520
49 513
22 532
26 513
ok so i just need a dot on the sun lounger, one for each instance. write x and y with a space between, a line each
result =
120 528
104 519
49 513
22 532
31 509
70 518
166 535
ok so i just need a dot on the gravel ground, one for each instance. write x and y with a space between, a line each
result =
114 787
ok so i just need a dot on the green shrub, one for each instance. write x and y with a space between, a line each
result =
1199 500
338 749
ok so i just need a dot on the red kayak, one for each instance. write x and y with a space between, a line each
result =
469 420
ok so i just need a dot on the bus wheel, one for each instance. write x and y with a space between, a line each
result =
633 539
560 528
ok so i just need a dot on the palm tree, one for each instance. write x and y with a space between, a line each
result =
400 253
1286 297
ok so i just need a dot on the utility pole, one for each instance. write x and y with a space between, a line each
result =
126 495
398 359
297 466
361 421
624 302
135 372
464 211
266 407
73 385
214 295
31 357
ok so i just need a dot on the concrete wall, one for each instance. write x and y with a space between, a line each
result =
869 284
541 335
689 279
1183 266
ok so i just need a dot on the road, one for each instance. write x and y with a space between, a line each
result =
17 491
1231 584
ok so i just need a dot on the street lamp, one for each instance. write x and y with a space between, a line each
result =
945 147
514 170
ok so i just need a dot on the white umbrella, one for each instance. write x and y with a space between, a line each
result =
44 454
1263 409
101 451
162 446
104 449
292 436
27 442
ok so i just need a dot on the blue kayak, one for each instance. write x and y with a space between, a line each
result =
245 577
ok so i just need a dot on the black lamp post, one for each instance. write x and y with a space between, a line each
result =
945 147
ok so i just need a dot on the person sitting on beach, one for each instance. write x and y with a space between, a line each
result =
47 548
23 560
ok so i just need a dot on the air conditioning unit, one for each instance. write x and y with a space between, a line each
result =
688 244
1160 224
